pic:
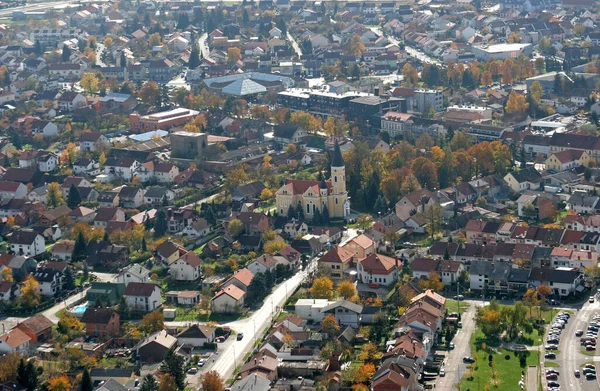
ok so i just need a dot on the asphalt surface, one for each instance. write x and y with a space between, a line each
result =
570 357
453 364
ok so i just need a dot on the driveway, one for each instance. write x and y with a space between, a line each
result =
453 364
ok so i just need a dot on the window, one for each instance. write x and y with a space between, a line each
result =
336 201
307 208
335 178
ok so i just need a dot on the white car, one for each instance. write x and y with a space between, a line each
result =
442 372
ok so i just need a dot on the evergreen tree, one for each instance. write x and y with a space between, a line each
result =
148 223
194 57
269 279
32 376
86 381
79 247
317 218
173 365
257 289
291 211
74 197
160 224
37 49
372 190
123 308
149 383
123 61
86 271
22 373
165 201
446 254
106 238
245 17
66 54
183 21
144 245
69 281
280 23
325 215
380 205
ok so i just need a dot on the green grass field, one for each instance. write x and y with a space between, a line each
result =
453 306
505 373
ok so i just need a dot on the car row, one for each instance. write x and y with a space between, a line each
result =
589 371
589 340
553 337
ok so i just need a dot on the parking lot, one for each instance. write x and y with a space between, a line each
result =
570 350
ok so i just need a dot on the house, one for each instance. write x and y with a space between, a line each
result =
27 243
346 313
101 252
525 179
50 280
123 168
92 141
133 273
563 281
42 160
154 348
242 279
265 262
54 216
489 276
21 266
580 202
101 322
165 172
14 341
249 192
362 246
107 293
311 309
183 297
263 364
142 296
567 159
108 385
114 102
199 228
417 202
86 166
253 381
9 290
186 268
378 269
156 195
104 215
229 299
131 197
169 251
336 262
254 223
288 134
196 335
70 101
38 328
13 190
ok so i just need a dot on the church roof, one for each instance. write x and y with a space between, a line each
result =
298 186
337 160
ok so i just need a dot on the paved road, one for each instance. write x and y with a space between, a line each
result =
453 365
295 45
43 6
570 357
203 45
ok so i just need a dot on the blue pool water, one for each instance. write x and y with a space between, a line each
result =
80 309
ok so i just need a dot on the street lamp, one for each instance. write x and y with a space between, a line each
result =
254 326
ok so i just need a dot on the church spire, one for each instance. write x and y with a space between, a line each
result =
337 160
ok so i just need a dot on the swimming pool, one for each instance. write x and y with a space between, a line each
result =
80 309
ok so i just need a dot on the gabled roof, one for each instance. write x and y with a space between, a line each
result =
244 276
97 315
15 338
144 289
344 304
529 174
37 323
191 259
379 264
337 255
231 290
196 331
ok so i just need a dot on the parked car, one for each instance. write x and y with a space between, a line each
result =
591 366
220 339
588 370
589 348
553 384
192 371
548 371
579 333
551 356
591 300
551 347
468 360
240 336
451 345
201 362
552 376
577 373
442 372
590 376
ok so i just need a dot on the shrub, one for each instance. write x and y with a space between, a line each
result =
507 357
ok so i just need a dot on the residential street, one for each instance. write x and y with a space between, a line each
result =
454 366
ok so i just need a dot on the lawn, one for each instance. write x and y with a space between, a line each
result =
551 364
506 370
453 306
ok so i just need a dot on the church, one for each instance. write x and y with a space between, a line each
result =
328 194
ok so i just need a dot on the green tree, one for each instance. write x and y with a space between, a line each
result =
66 54
74 197
149 383
69 281
160 224
79 249
86 381
235 227
194 57
174 366
257 290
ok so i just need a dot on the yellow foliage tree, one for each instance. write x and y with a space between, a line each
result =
59 383
7 274
89 82
322 288
274 246
516 103
347 290
30 291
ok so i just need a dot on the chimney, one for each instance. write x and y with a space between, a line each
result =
376 91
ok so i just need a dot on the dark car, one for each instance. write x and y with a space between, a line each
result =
555 371
240 336
550 355
552 376
590 376
553 384
468 360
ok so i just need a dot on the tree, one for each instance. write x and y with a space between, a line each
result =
274 246
152 322
211 381
235 228
529 210
486 78
364 222
69 281
365 373
356 46
66 54
166 382
79 249
536 92
347 290
257 289
149 93
7 274
160 224
432 282
37 48
488 320
154 40
426 172
233 55
86 381
74 197
234 178
464 277
149 384
59 383
322 288
411 76
329 325
54 196
30 291
194 60
544 291
89 82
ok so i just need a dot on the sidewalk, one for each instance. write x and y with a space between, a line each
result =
532 378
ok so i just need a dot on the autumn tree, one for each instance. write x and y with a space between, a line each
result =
364 222
365 373
369 352
544 291
347 290
531 299
516 103
149 93
488 320
166 382
235 178
274 246
212 381
233 55
425 172
7 274
59 383
30 295
356 46
432 282
329 325
152 322
486 78
54 196
235 227
536 92
322 288
411 76
89 82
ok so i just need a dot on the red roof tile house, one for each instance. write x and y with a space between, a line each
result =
142 296
186 268
362 246
378 269
394 377
101 322
38 328
14 341
242 279
336 262
228 300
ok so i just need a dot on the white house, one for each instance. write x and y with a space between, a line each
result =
50 281
27 243
91 141
123 168
142 296
165 172
12 190
378 269
86 166
228 300
9 290
562 281
186 268
263 263
199 227
14 341
196 335
310 309
133 273
346 313
45 128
